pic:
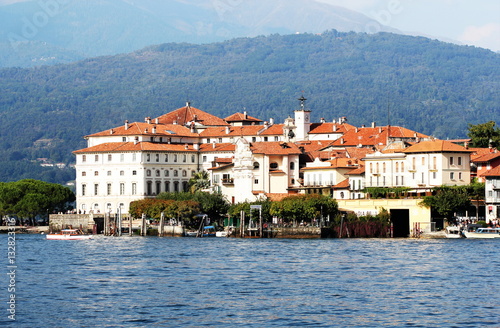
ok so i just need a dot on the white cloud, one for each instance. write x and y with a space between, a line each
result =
486 36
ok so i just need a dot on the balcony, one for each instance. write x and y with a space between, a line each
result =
228 181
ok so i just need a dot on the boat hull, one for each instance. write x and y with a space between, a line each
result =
68 237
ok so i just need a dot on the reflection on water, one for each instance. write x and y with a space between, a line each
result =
221 282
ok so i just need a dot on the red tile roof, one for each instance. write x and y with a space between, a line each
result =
342 185
375 136
188 114
136 129
486 157
234 131
325 128
133 147
275 148
435 146
495 172
240 117
222 147
357 171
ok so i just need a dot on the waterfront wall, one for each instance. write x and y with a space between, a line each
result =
293 232
76 221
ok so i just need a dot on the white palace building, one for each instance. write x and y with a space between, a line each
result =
247 158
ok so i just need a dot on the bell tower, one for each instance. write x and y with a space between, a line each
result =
302 121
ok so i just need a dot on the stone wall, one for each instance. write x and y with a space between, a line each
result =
75 221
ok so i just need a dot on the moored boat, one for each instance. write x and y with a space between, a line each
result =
482 233
453 232
69 234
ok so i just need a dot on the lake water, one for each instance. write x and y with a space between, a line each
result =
225 282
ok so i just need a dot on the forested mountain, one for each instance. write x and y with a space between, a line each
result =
428 86
36 32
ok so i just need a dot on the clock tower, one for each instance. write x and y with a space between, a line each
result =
302 121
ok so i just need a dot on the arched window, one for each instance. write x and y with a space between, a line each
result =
157 173
273 166
148 173
256 165
176 173
184 173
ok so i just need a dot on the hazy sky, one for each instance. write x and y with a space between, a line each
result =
473 22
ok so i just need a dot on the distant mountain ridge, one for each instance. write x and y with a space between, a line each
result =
66 31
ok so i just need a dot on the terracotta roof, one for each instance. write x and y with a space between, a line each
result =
435 146
211 147
335 164
275 148
188 114
357 171
275 129
375 136
486 157
137 128
325 128
221 167
132 147
234 131
359 153
494 172
276 197
241 117
342 185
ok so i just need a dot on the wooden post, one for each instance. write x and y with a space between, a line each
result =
130 226
143 225
160 231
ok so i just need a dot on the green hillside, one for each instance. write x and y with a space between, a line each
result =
429 86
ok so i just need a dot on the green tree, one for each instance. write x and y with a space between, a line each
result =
484 135
199 181
29 198
448 200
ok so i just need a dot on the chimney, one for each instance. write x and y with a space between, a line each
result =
228 129
341 141
153 130
356 130
188 104
136 140
213 144
192 128
148 120
175 122
111 131
146 131
334 127
322 120
126 125
157 120
466 145
196 146
379 129
271 121
245 116
186 146
374 124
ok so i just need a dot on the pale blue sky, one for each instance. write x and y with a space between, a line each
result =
470 22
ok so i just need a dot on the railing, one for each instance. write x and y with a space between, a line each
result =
229 181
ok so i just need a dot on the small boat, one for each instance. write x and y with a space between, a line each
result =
453 232
69 234
482 233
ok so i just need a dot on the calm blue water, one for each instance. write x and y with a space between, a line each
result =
219 282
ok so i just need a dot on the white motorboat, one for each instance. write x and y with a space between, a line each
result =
69 234
453 232
482 233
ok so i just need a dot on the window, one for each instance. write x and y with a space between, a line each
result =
158 187
434 175
254 139
148 173
148 157
84 174
256 165
108 173
134 157
124 139
184 173
122 189
175 158
220 140
122 157
459 175
423 161
193 158
134 188
292 166
166 173
276 138
167 186
402 168
397 167
208 140
273 166
84 189
122 173
84 158
176 186
204 159
451 160
157 173
157 157
452 175
184 158
96 173
176 173
96 158
256 181
108 189
110 157
149 187
166 158
414 163
265 138
134 172
459 160
434 163
383 168
96 189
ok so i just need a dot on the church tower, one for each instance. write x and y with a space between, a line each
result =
302 121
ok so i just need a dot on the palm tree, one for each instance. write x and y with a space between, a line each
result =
199 181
